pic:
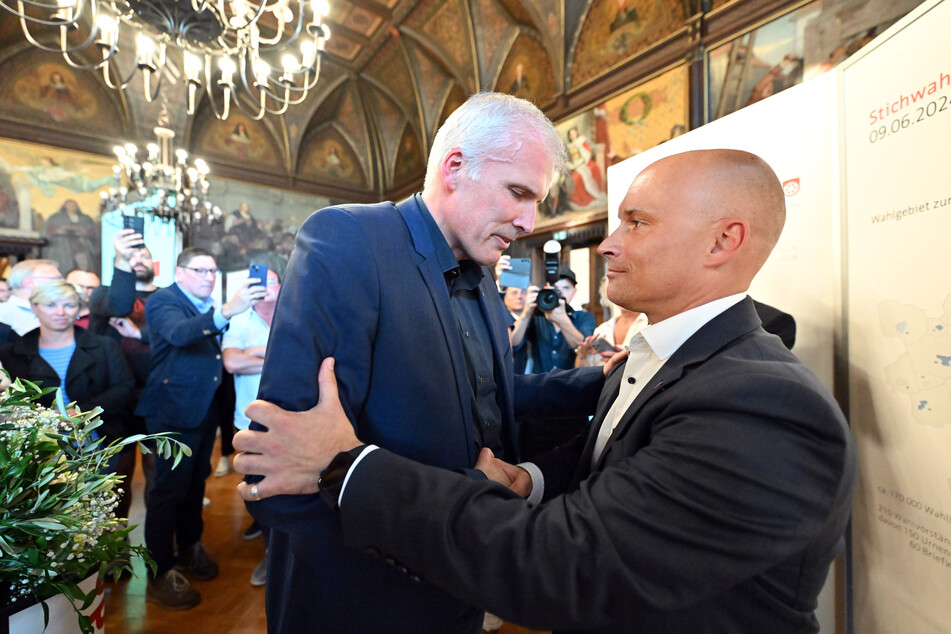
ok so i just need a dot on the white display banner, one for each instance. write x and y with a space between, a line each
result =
897 177
796 133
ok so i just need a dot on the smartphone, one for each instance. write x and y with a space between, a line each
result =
137 224
259 271
602 345
519 275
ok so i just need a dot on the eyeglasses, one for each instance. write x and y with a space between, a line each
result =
202 272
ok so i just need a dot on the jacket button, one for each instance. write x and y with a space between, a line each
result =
217 356
215 379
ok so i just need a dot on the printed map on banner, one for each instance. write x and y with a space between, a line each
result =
923 372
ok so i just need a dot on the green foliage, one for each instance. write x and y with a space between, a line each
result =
57 498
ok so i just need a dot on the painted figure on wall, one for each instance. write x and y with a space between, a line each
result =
54 90
625 15
73 239
519 86
239 141
332 161
9 208
585 173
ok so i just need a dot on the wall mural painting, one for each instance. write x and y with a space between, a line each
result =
330 159
528 73
257 219
642 117
580 193
51 93
409 159
794 47
237 140
54 193
645 116
615 30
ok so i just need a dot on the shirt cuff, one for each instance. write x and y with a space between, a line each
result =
220 321
538 482
366 452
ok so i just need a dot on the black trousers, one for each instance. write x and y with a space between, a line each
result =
174 507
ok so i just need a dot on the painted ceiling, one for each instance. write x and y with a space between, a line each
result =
391 74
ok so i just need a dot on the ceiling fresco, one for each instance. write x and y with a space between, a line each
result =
392 72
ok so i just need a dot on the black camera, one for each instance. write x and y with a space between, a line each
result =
548 298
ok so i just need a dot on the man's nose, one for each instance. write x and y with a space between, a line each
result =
525 221
608 247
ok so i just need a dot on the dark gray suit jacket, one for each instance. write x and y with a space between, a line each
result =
717 505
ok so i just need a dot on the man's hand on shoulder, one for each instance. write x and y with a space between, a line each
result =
248 295
297 446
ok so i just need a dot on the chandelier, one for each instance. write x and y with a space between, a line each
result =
162 183
264 56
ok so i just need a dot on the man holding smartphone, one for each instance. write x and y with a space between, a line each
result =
179 396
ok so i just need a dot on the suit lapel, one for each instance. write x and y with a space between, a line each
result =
435 281
494 311
80 361
734 322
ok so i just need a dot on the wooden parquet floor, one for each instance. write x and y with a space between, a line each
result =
229 604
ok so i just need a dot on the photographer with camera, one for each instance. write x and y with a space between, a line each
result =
546 332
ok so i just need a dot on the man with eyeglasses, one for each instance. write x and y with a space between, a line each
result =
184 326
17 312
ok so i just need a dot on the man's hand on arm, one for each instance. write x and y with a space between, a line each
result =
513 477
298 446
248 295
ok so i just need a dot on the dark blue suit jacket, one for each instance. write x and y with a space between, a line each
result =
363 285
186 361
717 505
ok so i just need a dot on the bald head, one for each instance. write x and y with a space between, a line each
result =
735 183
695 227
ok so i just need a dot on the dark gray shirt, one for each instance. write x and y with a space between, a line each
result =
462 284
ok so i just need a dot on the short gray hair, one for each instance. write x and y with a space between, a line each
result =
487 124
26 268
54 291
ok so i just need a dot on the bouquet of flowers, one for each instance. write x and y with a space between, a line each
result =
57 498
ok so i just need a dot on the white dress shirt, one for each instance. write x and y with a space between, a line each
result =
17 313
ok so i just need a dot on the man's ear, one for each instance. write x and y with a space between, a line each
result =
450 169
729 235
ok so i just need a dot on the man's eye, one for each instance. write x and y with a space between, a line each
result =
517 194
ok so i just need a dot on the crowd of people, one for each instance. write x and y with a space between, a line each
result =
429 446
154 359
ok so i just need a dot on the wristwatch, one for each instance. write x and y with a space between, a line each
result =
330 481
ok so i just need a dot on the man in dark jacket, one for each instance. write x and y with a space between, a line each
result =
179 397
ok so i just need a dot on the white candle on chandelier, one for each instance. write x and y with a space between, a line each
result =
289 63
144 49
227 66
308 51
261 72
108 29
193 67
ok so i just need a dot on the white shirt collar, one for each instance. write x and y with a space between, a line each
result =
667 336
